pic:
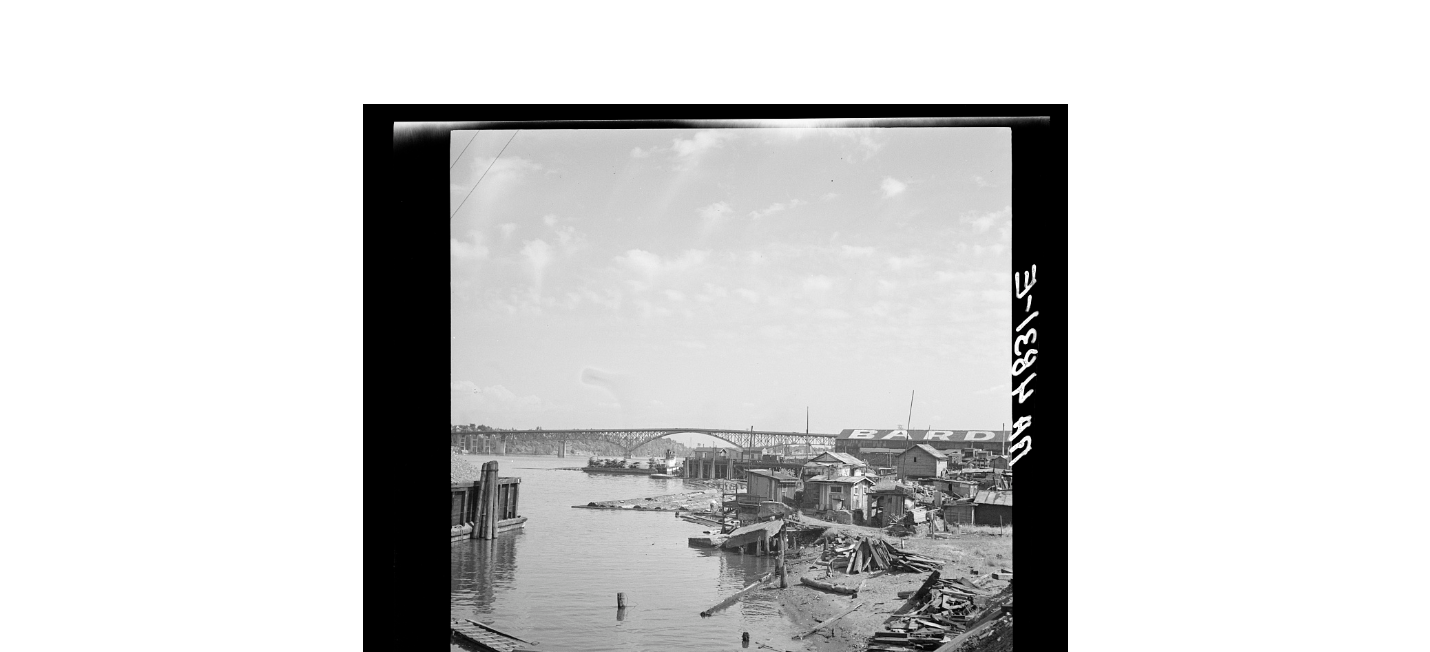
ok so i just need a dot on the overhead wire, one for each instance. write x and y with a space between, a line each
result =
464 151
484 174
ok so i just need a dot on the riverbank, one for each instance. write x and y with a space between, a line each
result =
970 555
699 500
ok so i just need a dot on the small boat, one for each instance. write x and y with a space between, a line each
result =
663 476
482 637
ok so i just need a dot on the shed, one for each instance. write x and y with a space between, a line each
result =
890 501
921 461
993 507
771 485
835 492
958 512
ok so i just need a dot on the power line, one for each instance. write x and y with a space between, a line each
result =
464 151
484 174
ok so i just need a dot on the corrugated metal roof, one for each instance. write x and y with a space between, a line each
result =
778 475
844 458
992 497
927 449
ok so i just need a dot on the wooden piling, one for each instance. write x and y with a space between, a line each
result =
620 601
490 483
784 573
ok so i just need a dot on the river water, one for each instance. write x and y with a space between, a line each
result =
555 581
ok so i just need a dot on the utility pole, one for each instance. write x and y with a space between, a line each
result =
910 421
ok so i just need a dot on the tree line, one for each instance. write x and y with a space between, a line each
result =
656 448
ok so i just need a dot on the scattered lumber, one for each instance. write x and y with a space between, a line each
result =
861 554
829 622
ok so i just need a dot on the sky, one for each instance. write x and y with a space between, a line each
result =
731 278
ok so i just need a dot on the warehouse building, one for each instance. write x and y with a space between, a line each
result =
856 442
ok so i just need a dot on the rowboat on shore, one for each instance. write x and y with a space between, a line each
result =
482 637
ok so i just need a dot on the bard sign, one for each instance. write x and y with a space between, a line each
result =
925 435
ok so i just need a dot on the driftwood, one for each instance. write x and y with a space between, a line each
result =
731 600
826 586
829 622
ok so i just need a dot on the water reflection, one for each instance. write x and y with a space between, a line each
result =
556 581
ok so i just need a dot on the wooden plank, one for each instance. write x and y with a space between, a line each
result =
731 600
829 622
490 628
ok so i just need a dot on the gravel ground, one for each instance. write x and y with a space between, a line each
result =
464 471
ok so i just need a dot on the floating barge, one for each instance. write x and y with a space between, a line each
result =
473 635
614 471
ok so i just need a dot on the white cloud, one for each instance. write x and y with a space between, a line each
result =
748 295
818 283
641 153
507 168
674 295
892 186
908 262
689 152
857 251
711 216
651 264
982 223
550 220
830 195
538 253
831 313
494 404
506 230
474 250
982 183
775 208
715 210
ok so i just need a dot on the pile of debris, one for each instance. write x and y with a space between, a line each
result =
870 553
942 608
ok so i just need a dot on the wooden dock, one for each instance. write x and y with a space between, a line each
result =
485 638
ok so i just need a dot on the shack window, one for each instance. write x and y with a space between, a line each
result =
836 489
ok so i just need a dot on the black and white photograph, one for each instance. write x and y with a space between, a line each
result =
747 385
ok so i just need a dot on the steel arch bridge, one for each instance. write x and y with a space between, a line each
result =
631 438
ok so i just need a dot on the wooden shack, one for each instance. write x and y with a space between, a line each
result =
888 502
921 461
771 485
993 507
833 492
841 464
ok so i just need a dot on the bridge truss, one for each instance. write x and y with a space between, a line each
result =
630 439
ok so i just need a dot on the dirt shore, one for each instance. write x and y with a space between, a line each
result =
807 607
